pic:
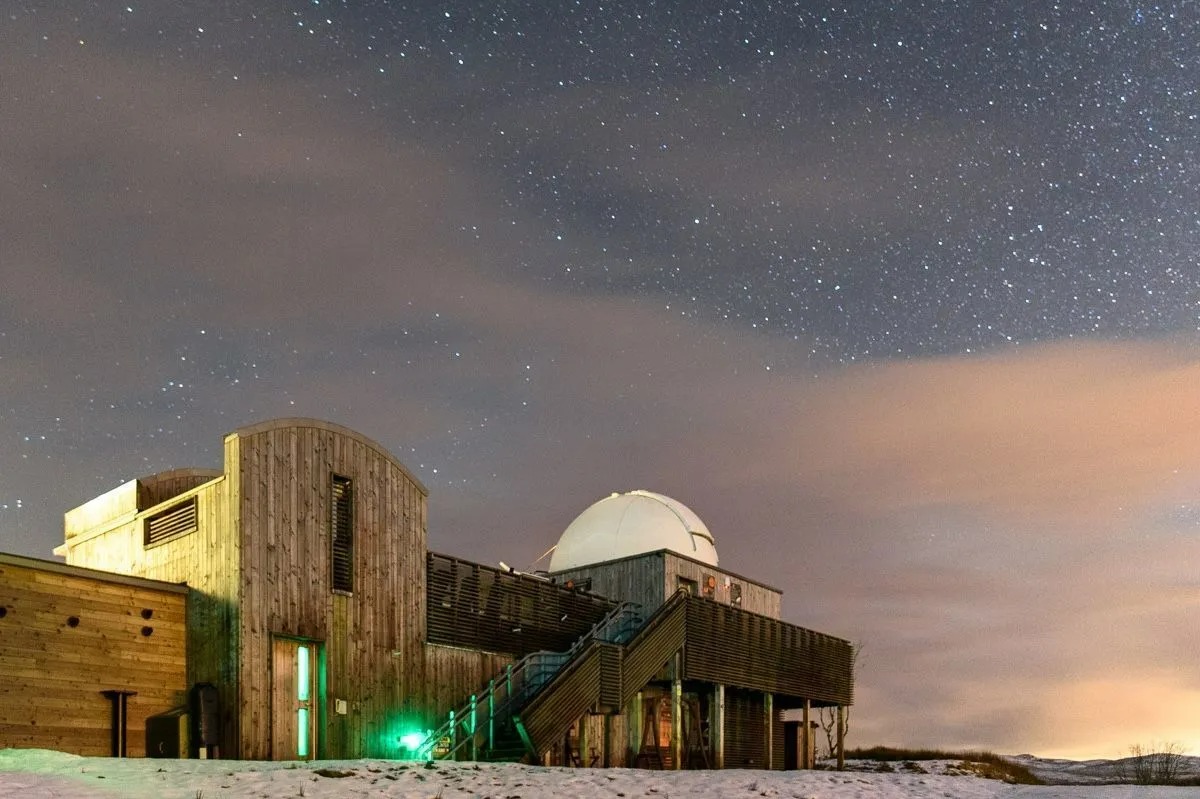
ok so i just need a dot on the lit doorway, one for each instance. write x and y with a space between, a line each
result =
294 702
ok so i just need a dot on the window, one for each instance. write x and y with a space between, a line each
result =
341 538
175 521
684 584
735 594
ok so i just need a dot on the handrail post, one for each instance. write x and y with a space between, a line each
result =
474 727
491 739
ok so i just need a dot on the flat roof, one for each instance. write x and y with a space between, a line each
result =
56 567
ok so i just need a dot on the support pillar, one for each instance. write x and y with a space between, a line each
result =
120 717
583 744
677 714
769 728
637 721
841 738
716 727
806 737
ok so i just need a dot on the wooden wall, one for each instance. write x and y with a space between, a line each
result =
452 674
755 597
651 578
67 634
207 560
638 578
374 636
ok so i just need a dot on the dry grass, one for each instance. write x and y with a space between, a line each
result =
981 764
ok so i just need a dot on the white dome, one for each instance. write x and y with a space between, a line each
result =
630 524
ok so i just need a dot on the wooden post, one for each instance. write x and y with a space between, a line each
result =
841 738
581 744
606 760
806 737
636 722
677 715
716 727
769 727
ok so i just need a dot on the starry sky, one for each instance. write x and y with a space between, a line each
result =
902 299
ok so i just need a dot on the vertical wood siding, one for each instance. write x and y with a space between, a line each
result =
755 597
452 675
650 579
373 637
636 579
53 670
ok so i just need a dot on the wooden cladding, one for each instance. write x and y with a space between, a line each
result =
341 533
572 692
480 607
745 730
733 647
177 520
68 634
653 646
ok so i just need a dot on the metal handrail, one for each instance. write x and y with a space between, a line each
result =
529 674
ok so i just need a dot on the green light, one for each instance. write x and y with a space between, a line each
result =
418 744
302 737
303 675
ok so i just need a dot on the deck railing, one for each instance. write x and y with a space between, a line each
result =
473 725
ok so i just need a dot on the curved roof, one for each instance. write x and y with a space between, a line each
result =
330 427
631 524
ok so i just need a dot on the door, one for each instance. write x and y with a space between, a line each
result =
293 699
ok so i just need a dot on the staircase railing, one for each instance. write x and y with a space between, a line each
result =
571 688
511 688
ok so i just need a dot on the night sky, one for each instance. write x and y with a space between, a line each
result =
903 300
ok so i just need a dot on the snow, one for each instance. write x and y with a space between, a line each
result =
41 774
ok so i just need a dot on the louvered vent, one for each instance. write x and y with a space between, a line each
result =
341 528
171 523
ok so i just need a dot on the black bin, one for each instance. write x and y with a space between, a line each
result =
167 734
205 705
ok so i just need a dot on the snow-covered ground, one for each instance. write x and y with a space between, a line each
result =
39 774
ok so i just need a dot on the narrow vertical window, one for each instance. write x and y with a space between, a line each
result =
303 699
341 529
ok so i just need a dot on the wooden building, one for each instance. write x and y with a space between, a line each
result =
330 630
78 647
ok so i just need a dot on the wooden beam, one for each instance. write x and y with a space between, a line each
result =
677 714
841 738
769 728
806 737
716 726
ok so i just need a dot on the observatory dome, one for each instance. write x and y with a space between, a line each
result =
630 524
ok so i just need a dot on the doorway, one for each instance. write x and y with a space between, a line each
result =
294 702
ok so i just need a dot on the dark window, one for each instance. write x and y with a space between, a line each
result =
173 522
341 528
684 584
735 594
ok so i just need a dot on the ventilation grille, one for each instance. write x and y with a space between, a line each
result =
342 534
171 523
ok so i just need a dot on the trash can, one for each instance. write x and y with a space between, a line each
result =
167 733
205 705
